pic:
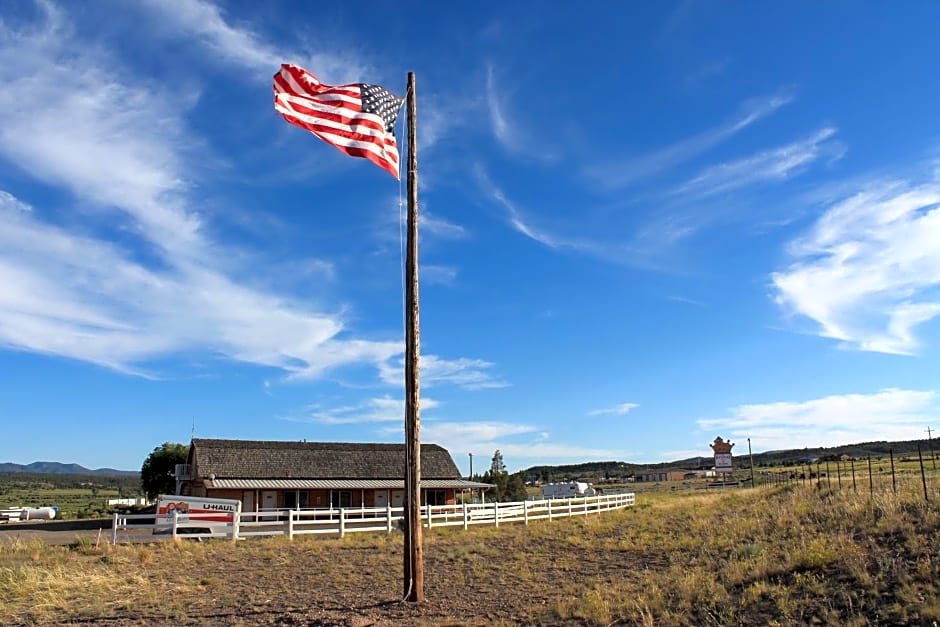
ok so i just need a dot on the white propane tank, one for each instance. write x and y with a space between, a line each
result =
38 513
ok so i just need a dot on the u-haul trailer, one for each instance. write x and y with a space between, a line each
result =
567 490
196 515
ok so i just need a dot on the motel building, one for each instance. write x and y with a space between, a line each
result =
266 476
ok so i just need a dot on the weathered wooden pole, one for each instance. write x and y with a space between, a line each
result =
414 556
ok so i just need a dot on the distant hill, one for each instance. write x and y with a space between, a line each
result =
768 458
58 468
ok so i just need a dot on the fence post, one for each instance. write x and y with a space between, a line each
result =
569 508
828 476
428 506
585 506
114 527
839 473
871 482
342 522
290 525
549 509
388 517
175 516
525 512
466 516
854 487
894 482
236 525
923 477
496 512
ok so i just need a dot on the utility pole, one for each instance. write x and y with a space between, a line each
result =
470 477
414 552
933 455
750 457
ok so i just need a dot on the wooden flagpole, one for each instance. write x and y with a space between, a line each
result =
413 554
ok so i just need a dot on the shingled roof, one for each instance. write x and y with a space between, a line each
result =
248 459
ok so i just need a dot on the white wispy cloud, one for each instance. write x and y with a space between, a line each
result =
868 271
8 202
438 274
121 147
437 226
776 164
617 410
470 374
502 129
521 444
889 414
380 409
510 132
203 23
521 224
624 172
82 298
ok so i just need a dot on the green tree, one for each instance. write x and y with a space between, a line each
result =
156 475
506 487
497 467
515 488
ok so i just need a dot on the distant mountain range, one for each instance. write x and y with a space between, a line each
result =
58 468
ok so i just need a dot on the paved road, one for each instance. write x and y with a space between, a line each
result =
60 532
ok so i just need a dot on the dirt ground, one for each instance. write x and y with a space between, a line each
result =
787 557
329 582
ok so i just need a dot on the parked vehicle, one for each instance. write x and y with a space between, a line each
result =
567 490
196 515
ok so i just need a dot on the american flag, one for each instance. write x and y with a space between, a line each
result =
358 119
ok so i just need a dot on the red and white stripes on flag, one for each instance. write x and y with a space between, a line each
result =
358 119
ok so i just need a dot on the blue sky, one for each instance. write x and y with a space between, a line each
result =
644 225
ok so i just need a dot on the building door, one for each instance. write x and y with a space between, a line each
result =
269 502
381 498
398 498
248 501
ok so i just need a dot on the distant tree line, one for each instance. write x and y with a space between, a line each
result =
129 484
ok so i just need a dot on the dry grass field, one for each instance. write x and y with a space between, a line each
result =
784 555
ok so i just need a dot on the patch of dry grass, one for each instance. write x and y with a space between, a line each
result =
781 555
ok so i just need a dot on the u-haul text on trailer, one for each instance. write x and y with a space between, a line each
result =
196 515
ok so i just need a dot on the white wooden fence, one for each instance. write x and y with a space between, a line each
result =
296 522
